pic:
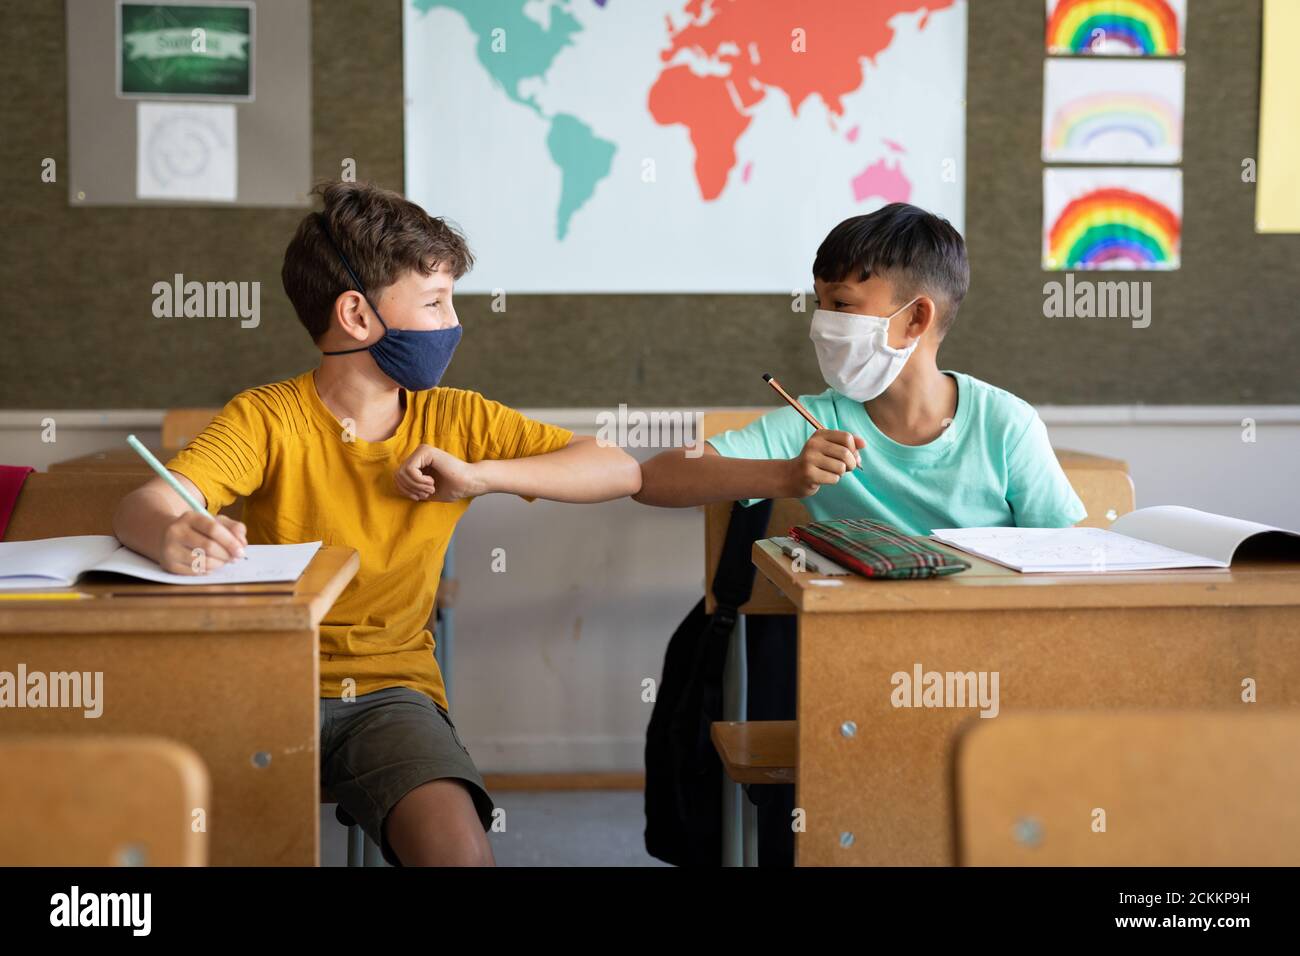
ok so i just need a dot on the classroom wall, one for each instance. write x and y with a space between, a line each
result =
79 280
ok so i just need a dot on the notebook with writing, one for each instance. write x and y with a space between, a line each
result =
1149 539
61 562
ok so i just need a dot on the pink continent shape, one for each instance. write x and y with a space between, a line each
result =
881 179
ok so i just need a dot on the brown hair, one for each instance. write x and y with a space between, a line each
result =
382 234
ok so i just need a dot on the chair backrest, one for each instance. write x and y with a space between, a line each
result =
57 503
179 425
1204 788
1103 484
54 504
102 801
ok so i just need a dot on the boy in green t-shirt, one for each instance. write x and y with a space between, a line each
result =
938 448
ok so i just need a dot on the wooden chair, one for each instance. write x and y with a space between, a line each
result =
102 801
117 459
179 425
1206 788
55 504
58 503
1103 484
362 851
755 751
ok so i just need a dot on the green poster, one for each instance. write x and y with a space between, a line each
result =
190 50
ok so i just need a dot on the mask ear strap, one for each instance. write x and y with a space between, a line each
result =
908 306
320 219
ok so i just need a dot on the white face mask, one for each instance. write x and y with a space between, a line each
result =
854 352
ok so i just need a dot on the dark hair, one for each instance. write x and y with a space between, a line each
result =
917 250
382 234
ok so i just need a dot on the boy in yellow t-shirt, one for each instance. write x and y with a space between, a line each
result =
365 451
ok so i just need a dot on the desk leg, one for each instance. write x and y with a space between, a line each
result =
445 631
735 691
749 823
356 846
372 855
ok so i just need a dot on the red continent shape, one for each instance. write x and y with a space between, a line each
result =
823 60
703 104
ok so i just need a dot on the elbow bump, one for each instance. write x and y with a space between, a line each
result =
634 479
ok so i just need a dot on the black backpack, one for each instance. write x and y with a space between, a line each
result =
683 784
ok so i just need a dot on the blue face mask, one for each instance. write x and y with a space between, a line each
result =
414 359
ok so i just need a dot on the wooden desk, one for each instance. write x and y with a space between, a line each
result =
118 459
234 676
874 780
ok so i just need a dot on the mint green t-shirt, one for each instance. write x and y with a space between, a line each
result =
992 467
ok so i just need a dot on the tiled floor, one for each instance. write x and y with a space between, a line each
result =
547 828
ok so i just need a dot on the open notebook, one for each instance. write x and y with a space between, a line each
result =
59 562
1149 539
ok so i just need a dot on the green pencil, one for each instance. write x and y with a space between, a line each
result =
164 474
168 477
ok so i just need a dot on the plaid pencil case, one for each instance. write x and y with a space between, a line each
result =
876 550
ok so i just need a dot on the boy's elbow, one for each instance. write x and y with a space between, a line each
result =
651 479
640 493
644 481
629 476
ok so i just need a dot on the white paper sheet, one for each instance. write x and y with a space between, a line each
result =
186 151
51 562
265 562
1113 111
1069 550
1149 539
1112 217
1200 532
58 562
1116 28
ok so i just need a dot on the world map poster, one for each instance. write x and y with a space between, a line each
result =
677 145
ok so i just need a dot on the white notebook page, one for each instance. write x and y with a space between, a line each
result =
265 563
1069 550
51 562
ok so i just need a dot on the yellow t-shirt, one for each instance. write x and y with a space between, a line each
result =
281 448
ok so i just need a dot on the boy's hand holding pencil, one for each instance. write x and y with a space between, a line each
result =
195 542
199 543
826 457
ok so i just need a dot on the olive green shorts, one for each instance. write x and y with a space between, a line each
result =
378 747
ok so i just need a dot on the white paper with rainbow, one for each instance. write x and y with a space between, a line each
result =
1117 27
1113 111
1114 217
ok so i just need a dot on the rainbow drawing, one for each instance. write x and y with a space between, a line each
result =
1137 27
1152 120
1112 111
1113 228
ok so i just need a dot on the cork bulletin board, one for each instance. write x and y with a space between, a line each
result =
1223 327
258 83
